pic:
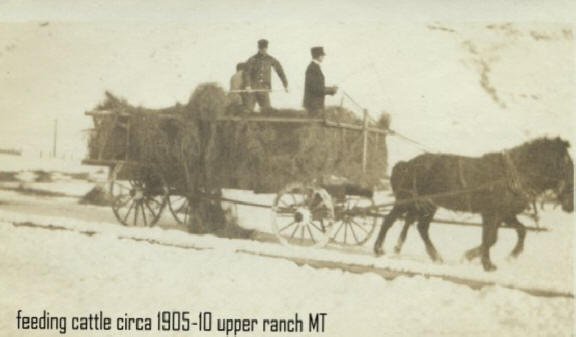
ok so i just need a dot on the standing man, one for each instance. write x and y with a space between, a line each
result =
314 86
237 86
257 76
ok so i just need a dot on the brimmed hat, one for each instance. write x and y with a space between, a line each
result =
317 51
262 43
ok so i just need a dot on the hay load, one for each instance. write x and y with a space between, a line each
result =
197 155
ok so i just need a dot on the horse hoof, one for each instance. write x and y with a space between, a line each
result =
489 267
470 255
378 251
397 250
438 260
514 254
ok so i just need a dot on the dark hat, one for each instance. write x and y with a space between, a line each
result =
263 43
317 51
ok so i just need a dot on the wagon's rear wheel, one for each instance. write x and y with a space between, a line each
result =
354 223
181 210
138 196
303 215
179 206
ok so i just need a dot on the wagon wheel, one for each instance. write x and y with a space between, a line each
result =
303 215
179 206
139 198
354 224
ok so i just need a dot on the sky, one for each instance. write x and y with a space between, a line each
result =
460 84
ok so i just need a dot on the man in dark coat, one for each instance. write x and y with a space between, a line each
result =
314 86
257 76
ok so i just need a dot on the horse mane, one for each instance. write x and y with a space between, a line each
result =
542 160
544 143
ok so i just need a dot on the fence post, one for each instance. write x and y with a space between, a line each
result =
365 142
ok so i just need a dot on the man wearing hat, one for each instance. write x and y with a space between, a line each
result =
314 86
257 76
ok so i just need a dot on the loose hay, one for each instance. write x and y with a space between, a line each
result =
97 196
196 155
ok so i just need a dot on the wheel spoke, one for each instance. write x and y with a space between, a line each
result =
136 213
144 214
295 202
354 234
316 226
150 209
295 230
287 226
128 212
119 202
310 232
122 186
345 232
282 202
186 217
301 202
285 213
338 230
183 205
360 226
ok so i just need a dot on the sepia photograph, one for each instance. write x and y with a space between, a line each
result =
287 168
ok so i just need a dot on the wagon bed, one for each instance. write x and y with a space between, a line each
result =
306 212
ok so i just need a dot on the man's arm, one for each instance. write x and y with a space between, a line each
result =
314 80
278 68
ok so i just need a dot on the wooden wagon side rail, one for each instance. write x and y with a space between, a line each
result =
261 119
113 162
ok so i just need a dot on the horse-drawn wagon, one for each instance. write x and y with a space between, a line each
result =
323 171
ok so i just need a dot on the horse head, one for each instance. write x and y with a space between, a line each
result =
564 173
549 167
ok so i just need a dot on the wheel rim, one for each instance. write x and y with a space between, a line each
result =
135 203
302 215
180 208
354 225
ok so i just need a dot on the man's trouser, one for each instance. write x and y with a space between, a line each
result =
262 98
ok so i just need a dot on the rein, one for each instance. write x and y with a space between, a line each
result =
514 178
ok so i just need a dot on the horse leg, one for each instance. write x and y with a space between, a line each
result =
423 228
475 252
521 231
410 219
386 224
490 225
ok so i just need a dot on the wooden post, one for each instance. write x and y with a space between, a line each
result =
365 142
55 139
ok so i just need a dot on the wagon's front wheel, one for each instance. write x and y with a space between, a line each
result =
354 223
303 215
137 198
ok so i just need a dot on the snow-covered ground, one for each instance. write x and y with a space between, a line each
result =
70 273
12 163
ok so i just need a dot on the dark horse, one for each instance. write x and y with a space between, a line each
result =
498 186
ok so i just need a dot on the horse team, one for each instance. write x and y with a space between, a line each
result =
498 186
